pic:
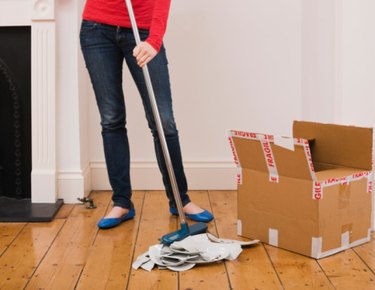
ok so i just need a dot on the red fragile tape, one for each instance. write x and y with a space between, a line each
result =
317 190
270 160
265 142
370 183
236 160
307 150
319 185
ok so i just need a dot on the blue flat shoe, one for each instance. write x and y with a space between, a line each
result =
106 223
204 216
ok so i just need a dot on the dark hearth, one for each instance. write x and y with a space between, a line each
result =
15 129
22 210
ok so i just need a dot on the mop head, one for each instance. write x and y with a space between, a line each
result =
184 254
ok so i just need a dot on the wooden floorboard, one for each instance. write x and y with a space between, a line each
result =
366 252
155 222
252 269
64 211
110 257
22 257
297 271
71 253
8 232
348 272
62 266
200 277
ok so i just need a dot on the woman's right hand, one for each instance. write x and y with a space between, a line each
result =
144 53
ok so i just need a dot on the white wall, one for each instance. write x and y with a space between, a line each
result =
318 62
255 66
358 63
232 67
338 61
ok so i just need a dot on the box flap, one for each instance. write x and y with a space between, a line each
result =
291 163
346 146
250 154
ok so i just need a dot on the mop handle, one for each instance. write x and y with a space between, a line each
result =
159 126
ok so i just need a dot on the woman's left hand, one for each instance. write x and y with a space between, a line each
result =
144 52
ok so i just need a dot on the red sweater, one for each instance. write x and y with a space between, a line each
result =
149 14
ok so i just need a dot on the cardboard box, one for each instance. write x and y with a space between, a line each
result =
311 194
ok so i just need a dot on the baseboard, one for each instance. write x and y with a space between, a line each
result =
146 176
73 184
43 186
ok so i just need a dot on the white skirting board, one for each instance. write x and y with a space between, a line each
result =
146 176
73 184
76 183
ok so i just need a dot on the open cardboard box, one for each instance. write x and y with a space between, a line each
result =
311 194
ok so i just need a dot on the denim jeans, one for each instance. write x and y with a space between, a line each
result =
105 48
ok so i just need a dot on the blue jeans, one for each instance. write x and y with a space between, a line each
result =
104 49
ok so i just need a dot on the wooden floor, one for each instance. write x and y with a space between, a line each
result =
70 253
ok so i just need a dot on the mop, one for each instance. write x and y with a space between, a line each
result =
185 230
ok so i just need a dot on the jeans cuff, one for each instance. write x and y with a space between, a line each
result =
124 204
185 200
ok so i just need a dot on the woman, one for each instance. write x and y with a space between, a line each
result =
106 41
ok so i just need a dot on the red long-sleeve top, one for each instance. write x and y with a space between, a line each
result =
149 14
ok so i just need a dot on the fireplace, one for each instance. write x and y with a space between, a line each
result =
15 112
28 159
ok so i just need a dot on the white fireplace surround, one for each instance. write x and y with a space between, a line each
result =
46 182
41 17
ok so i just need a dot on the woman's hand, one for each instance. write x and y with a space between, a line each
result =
144 52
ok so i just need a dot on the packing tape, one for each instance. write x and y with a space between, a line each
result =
239 175
344 197
334 181
370 182
249 135
299 141
317 190
268 155
270 160
316 247
284 142
273 237
258 136
319 185
345 240
239 227
307 150
235 158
